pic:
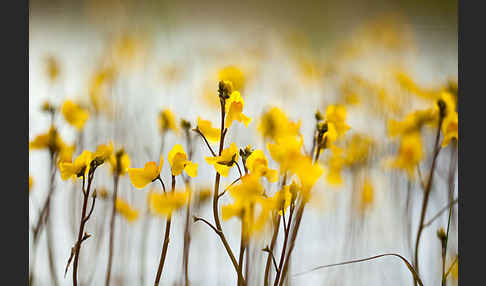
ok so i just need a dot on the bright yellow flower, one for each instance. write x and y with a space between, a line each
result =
178 162
206 127
285 150
258 163
336 115
103 152
66 153
450 128
234 75
50 140
284 198
74 114
308 174
409 154
164 204
234 110
223 163
141 177
80 167
119 162
336 163
167 121
31 182
274 123
123 208
413 122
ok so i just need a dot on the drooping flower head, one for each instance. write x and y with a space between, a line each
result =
223 163
119 162
178 162
274 123
141 177
257 163
74 114
79 168
163 204
167 121
410 153
54 143
234 110
206 127
123 208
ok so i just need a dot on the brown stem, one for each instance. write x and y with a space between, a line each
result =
187 242
81 228
427 194
166 242
112 229
270 253
242 251
283 259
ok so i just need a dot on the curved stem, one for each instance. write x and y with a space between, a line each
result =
166 242
409 266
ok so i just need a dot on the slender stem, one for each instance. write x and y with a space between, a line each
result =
409 266
270 252
205 140
284 260
426 195
449 205
166 242
112 229
187 242
77 247
450 267
242 251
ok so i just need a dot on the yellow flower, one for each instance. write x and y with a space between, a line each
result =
178 162
284 197
234 110
164 204
234 75
223 163
285 150
258 163
274 123
80 167
367 195
336 115
123 208
66 153
52 68
74 114
141 177
450 128
31 182
336 163
119 162
413 122
409 154
206 127
308 174
97 88
167 121
103 152
50 140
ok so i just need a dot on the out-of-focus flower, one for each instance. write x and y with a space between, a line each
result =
123 208
204 195
413 122
450 128
234 110
257 163
31 182
336 163
274 123
410 153
79 168
178 162
53 142
336 115
285 150
308 174
141 177
103 152
167 121
211 133
74 114
99 82
367 193
119 162
233 74
53 69
164 204
223 163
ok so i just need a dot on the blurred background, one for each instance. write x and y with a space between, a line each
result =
300 56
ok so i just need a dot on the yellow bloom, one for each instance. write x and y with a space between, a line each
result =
206 127
413 122
234 75
284 197
274 123
167 121
234 110
336 163
74 114
66 153
223 163
450 128
308 174
258 163
336 115
103 152
53 69
164 204
119 162
123 208
141 177
80 167
50 140
367 195
409 154
178 162
285 150
97 88
31 182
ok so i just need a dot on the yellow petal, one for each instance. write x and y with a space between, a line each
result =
191 169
